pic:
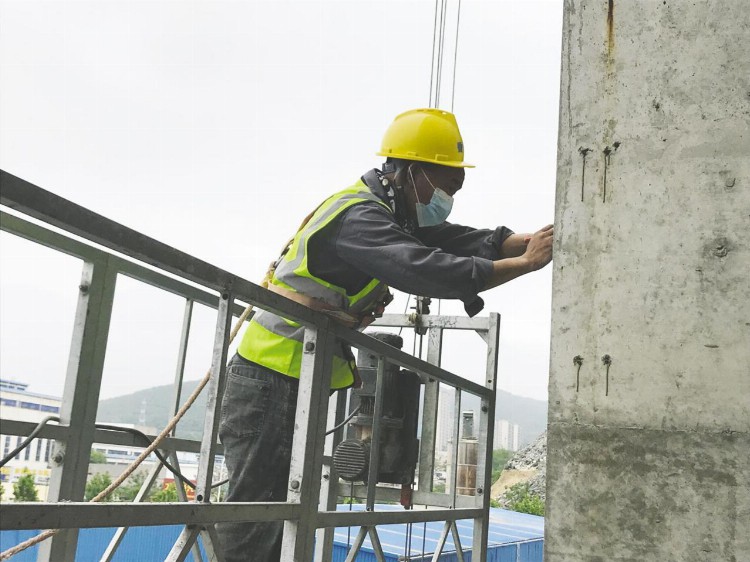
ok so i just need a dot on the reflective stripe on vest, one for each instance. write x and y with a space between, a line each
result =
275 342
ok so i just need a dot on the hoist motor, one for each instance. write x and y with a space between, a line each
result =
399 446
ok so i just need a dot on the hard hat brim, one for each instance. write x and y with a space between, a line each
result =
448 163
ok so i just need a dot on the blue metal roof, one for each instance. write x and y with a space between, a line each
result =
508 531
513 537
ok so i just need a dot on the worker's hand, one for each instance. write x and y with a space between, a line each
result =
514 245
539 248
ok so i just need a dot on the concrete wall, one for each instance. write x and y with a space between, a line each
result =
649 456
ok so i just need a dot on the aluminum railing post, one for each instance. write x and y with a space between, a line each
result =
377 417
485 441
187 318
308 444
328 487
430 413
213 400
210 432
215 390
83 381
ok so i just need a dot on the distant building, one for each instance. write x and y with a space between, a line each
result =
17 403
506 435
445 418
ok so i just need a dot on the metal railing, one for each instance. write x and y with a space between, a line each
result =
310 508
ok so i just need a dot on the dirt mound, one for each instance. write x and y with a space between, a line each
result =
527 465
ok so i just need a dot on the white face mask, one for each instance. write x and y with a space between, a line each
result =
437 210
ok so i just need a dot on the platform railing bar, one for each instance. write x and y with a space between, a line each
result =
441 542
376 546
301 513
457 543
402 359
82 515
119 535
182 496
102 436
356 545
371 518
185 542
427 321
80 250
393 495
46 206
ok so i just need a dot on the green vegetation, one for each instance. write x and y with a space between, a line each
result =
166 494
97 457
24 489
126 492
499 458
96 484
520 498
129 489
126 409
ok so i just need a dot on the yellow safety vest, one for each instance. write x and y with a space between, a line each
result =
275 342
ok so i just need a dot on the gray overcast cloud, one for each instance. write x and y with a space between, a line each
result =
216 126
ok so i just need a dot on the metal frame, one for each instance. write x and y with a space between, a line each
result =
310 506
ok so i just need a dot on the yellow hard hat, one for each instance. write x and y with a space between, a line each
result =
425 135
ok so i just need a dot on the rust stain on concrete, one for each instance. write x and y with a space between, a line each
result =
610 27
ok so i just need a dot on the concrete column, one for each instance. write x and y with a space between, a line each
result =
649 412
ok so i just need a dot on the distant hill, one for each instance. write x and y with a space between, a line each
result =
528 413
151 407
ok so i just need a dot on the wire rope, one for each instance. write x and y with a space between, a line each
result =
440 21
432 66
26 442
455 55
107 427
441 47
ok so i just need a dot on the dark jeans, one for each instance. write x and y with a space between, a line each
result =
257 426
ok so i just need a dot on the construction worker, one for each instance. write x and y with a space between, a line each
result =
388 229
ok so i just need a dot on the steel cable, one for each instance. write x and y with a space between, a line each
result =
455 55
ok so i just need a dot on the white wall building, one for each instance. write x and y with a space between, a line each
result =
18 403
506 435
446 415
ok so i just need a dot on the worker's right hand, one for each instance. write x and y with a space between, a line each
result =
539 249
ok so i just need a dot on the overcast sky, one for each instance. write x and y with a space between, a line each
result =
216 126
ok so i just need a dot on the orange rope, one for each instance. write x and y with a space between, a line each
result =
136 463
